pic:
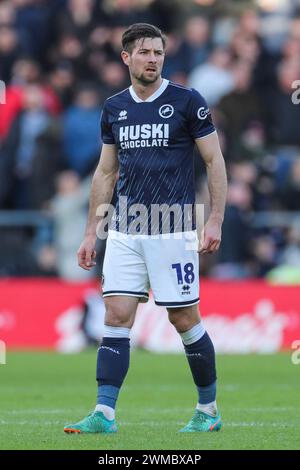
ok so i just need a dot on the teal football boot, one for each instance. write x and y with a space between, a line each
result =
95 422
202 422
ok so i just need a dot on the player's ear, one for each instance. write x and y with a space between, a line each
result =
125 57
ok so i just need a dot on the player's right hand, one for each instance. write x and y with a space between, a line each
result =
86 254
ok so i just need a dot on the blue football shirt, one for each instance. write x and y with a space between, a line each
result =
155 140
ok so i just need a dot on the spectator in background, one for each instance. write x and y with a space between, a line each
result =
196 40
25 71
290 255
265 255
33 25
10 47
69 208
283 116
288 269
214 79
62 82
250 23
234 252
122 12
245 48
113 78
99 37
25 154
17 257
114 48
77 19
253 140
71 50
291 48
7 14
290 193
46 164
176 65
265 191
45 261
167 15
99 48
10 50
81 136
294 28
244 172
275 24
239 109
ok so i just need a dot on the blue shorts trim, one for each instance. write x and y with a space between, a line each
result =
125 292
186 303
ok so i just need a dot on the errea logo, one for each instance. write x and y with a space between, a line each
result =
122 115
185 290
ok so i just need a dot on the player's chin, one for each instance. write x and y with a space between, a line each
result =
149 77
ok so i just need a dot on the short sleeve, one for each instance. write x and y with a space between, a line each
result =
199 118
106 127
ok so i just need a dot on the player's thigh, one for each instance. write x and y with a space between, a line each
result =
120 311
184 318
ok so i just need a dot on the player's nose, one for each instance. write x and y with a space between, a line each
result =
152 58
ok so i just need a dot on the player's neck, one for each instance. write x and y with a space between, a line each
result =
144 91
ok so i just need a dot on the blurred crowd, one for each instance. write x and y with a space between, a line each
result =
60 59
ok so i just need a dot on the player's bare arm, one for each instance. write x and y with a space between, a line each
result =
209 148
103 184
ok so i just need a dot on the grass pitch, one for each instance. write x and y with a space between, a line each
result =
258 397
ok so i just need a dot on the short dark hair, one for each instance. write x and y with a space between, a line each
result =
141 30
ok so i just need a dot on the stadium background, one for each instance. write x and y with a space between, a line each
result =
59 61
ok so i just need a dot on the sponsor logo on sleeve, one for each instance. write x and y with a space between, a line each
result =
202 113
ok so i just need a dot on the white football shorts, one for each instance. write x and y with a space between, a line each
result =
168 264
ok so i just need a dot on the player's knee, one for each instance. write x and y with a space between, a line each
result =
117 314
182 324
183 319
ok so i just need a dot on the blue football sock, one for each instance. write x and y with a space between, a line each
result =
112 367
201 358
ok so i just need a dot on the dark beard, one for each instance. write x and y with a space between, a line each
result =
146 81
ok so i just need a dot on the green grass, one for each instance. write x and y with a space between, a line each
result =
258 398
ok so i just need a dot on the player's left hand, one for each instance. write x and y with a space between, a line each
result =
210 237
